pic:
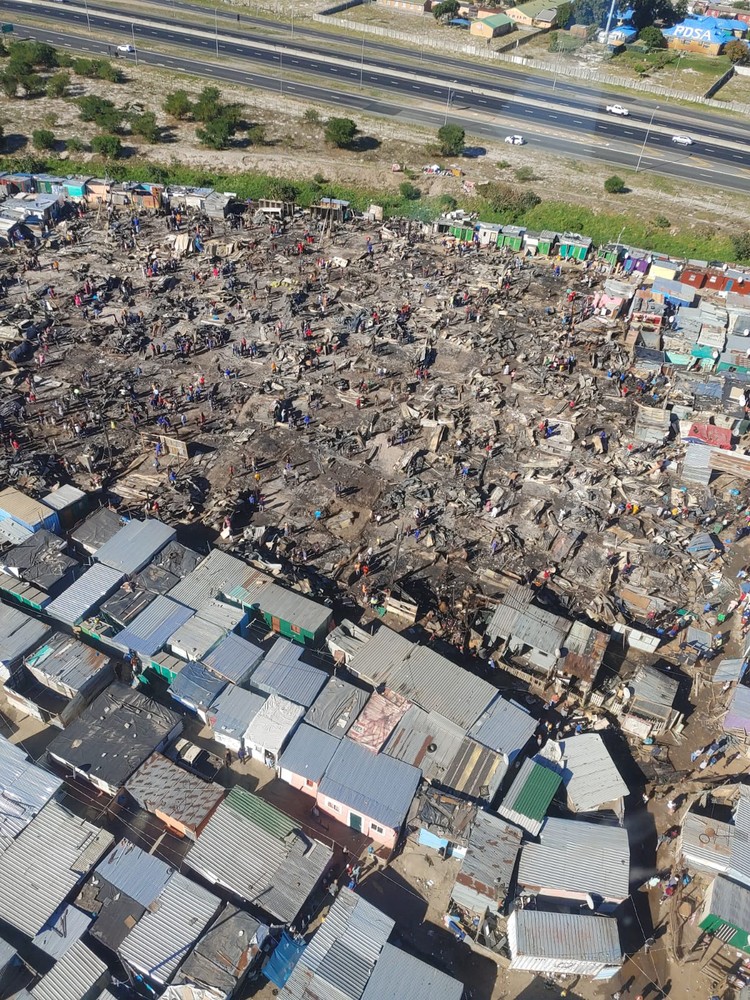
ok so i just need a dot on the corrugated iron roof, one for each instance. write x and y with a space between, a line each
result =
737 718
729 902
654 692
309 753
43 865
64 496
218 574
259 591
427 741
66 927
234 659
159 786
149 632
589 773
134 545
195 637
487 869
578 857
13 532
705 843
23 508
24 790
19 634
232 712
85 595
165 933
74 976
67 661
258 853
585 648
565 936
376 785
528 798
423 676
504 727
398 974
342 953
337 707
739 864
226 616
283 672
134 872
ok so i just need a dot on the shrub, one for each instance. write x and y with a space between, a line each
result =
409 192
178 105
145 126
208 105
662 222
57 85
75 145
652 38
614 185
107 146
447 202
311 116
524 174
340 132
43 139
100 111
257 134
216 133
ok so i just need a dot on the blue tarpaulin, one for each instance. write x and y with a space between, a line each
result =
280 965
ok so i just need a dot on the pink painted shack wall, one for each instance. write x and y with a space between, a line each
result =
298 782
342 813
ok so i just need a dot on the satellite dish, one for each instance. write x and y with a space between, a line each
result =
590 901
432 748
627 694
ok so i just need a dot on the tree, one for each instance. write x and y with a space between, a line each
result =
216 133
446 10
614 185
652 38
43 139
208 105
592 12
107 146
409 191
282 190
145 126
564 15
737 52
178 105
2 136
452 139
57 85
9 84
340 132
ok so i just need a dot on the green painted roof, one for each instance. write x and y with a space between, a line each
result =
496 20
536 794
535 7
260 812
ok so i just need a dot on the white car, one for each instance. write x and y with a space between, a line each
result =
617 109
126 48
515 140
682 140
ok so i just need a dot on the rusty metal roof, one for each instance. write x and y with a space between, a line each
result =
161 786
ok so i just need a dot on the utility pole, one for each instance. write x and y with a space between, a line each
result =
135 47
281 72
362 64
216 29
88 19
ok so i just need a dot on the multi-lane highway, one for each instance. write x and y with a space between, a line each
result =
489 101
